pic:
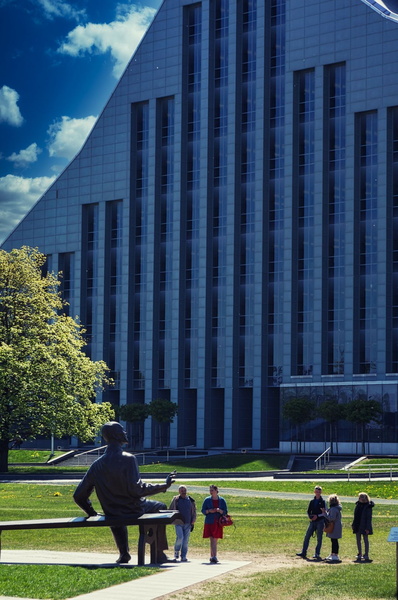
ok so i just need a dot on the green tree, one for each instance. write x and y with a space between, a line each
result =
331 411
47 383
163 412
298 411
135 414
363 411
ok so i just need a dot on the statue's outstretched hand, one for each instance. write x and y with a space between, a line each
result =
170 478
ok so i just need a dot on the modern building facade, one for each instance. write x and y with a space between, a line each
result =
228 233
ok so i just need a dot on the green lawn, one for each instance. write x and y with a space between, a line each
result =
264 527
31 456
219 462
378 461
222 462
60 581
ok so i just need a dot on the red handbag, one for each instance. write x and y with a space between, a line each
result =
225 521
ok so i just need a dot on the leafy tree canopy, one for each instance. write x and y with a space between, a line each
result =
134 413
47 383
330 410
163 410
298 410
363 410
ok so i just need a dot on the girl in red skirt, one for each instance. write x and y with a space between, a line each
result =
213 507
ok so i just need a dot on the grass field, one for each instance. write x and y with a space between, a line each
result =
219 462
265 528
31 456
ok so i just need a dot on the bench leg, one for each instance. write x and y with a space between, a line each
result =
141 546
148 535
153 541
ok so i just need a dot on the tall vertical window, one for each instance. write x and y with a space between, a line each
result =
90 272
66 266
247 224
220 199
304 358
194 51
166 110
335 212
276 192
140 193
392 327
367 243
113 285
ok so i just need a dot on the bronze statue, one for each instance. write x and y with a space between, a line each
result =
116 479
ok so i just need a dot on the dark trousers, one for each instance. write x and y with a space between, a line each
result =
365 541
314 527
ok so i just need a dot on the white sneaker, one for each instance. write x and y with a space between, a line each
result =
335 557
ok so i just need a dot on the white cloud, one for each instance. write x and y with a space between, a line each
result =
68 135
27 156
120 37
17 196
9 110
58 8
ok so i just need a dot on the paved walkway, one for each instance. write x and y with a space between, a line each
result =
173 577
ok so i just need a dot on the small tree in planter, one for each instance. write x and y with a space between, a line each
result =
363 411
299 411
135 414
331 411
163 412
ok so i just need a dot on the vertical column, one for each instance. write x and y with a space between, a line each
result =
303 318
334 224
366 243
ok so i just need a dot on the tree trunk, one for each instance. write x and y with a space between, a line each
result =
363 439
3 456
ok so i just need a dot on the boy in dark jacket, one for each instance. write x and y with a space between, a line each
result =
362 524
316 516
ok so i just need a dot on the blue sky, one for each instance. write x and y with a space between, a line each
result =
60 62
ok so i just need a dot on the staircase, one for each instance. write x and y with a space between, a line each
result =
307 463
303 463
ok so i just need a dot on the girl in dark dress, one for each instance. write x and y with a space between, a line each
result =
362 524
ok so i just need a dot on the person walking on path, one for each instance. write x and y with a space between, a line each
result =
213 507
362 524
315 512
120 490
333 514
187 507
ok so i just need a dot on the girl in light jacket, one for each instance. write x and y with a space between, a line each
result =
213 507
334 514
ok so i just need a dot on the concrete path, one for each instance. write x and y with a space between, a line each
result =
173 577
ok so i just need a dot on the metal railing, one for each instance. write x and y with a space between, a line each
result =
387 468
152 453
322 458
85 458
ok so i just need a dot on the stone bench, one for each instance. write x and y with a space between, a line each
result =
147 525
